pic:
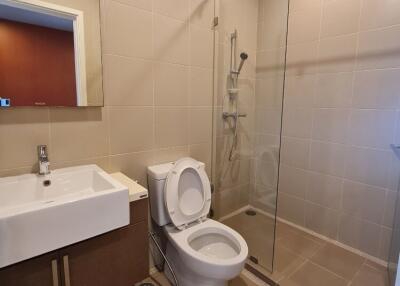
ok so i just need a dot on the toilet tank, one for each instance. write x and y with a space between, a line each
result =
156 177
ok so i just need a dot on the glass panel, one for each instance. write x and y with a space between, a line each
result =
250 54
393 258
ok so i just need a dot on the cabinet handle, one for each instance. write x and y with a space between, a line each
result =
54 271
67 278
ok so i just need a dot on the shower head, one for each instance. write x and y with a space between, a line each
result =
243 58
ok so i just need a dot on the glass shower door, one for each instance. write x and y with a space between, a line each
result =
393 259
250 54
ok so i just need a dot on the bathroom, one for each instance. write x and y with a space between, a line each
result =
280 117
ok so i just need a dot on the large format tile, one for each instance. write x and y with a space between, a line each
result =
21 131
311 274
338 260
299 244
369 276
286 262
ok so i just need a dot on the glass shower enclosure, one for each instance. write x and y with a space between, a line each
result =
249 74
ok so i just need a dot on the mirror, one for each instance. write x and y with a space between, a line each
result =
50 53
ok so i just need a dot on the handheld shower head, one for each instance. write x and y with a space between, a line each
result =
243 58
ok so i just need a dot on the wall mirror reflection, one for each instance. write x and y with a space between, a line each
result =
50 53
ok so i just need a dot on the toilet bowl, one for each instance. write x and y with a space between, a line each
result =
201 251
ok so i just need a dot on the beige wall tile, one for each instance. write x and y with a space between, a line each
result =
22 130
201 86
131 129
123 25
297 122
379 13
127 81
201 12
359 234
268 92
78 133
376 89
171 40
359 167
134 165
334 90
304 25
171 85
337 54
200 130
363 201
171 127
322 220
143 4
202 152
349 11
268 120
379 49
327 158
385 241
390 203
171 154
294 181
302 58
372 128
102 162
300 91
178 9
325 190
330 125
291 208
201 43
270 63
295 152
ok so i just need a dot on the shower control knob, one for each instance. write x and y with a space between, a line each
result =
226 115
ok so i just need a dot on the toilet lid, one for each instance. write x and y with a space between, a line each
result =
187 192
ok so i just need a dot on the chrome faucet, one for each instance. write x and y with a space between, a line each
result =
44 164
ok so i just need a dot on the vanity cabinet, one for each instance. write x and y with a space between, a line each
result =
118 258
34 272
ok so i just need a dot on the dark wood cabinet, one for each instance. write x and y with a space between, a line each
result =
39 271
118 258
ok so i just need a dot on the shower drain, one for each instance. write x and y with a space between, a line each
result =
251 212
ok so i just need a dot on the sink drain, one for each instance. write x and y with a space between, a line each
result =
251 212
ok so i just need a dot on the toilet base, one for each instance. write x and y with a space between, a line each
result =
185 275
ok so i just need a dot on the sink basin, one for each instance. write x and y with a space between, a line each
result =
80 203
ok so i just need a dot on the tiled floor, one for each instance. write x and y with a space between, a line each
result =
160 280
304 260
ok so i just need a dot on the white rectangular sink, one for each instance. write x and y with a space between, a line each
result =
80 203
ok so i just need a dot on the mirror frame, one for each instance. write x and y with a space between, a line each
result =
76 16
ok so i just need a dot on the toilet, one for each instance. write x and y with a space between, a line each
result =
202 251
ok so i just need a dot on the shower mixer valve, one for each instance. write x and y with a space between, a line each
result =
235 115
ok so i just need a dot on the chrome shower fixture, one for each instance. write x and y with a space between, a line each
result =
243 58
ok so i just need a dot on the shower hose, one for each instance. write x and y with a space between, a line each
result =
152 235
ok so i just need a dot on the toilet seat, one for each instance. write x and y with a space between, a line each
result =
227 256
187 193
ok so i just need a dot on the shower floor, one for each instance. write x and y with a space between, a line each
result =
302 259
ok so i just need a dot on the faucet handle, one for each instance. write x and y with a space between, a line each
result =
42 151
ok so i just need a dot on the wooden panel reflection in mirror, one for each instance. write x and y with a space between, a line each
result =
37 65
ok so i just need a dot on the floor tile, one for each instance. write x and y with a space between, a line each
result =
286 262
338 260
311 274
368 276
300 244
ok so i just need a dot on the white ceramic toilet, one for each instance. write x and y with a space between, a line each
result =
202 251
